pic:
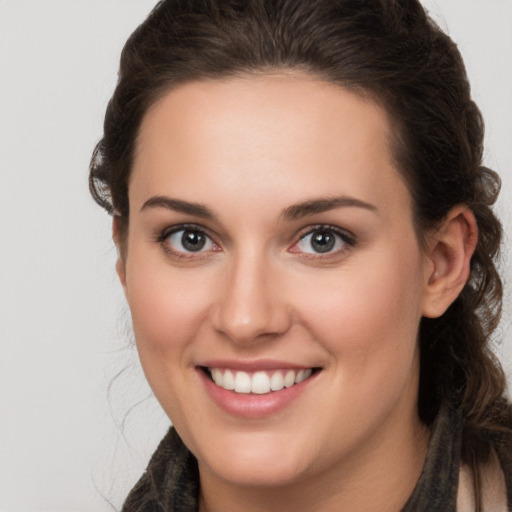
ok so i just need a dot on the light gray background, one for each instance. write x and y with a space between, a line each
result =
72 436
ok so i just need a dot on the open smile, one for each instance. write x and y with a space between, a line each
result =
258 382
255 389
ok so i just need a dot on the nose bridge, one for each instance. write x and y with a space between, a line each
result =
250 306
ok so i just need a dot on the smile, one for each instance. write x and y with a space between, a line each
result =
259 382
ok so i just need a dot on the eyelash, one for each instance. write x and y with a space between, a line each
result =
163 237
346 239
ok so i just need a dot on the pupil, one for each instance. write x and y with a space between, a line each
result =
193 240
323 241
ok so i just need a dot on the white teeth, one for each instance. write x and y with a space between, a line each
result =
289 379
259 383
302 375
218 377
229 380
299 377
277 381
242 382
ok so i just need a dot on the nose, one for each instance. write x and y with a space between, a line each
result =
250 305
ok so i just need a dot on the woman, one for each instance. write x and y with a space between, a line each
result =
306 244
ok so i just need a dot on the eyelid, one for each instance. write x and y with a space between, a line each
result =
164 234
169 230
343 233
347 237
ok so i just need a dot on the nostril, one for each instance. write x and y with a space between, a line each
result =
253 326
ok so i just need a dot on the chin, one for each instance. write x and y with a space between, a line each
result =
257 472
265 463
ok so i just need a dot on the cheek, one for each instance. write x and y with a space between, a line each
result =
368 323
166 306
370 310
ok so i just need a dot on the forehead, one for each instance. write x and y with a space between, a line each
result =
284 135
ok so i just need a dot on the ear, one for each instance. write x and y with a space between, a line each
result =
449 251
121 252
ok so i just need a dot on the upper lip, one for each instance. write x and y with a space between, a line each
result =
255 365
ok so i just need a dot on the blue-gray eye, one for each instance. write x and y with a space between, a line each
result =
321 241
189 240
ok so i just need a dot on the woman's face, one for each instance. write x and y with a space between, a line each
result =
271 240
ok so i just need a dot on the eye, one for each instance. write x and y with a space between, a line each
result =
323 240
188 240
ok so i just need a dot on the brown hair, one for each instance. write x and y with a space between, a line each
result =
392 51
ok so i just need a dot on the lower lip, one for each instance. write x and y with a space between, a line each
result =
250 405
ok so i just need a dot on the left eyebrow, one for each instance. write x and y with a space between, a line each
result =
320 205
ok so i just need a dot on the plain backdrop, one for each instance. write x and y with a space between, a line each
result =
77 423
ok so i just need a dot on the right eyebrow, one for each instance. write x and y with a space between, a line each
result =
177 205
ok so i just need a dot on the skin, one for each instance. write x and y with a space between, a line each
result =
248 149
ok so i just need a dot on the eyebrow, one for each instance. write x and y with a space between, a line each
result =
320 205
293 212
196 209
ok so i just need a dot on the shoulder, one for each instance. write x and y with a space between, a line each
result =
493 485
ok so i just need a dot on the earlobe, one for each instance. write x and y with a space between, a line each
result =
120 263
449 253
